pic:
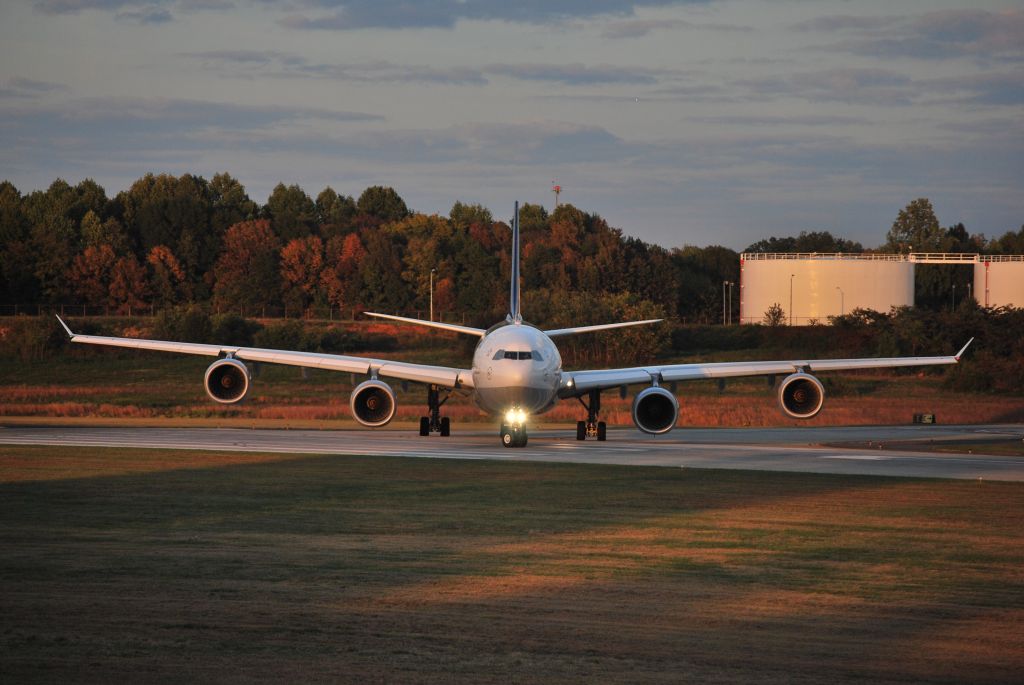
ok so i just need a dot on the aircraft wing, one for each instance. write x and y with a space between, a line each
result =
579 382
418 373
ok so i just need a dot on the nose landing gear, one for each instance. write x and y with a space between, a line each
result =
513 436
435 423
592 428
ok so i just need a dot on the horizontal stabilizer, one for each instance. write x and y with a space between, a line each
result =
465 330
601 327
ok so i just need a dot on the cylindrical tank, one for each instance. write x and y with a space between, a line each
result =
822 285
999 281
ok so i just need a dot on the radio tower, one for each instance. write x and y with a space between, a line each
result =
557 190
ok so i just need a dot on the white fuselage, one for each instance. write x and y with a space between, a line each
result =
516 366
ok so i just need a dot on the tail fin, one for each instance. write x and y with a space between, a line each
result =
515 314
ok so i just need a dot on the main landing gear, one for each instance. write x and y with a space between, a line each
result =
592 428
435 423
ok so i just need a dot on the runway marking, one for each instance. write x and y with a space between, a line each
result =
859 457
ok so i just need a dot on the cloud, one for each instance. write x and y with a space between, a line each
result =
578 74
403 14
271 64
638 28
938 35
855 86
139 11
145 15
29 88
996 89
255 63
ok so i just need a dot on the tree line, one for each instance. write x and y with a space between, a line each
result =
177 240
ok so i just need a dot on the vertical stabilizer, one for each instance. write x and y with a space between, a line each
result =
515 315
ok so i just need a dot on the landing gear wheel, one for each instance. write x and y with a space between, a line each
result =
446 427
581 430
424 425
508 438
602 431
522 437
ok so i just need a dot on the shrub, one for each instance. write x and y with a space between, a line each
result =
232 329
31 339
184 324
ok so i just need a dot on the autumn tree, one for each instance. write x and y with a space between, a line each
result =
302 265
247 268
166 277
340 279
91 273
128 286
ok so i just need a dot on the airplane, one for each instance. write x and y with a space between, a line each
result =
516 374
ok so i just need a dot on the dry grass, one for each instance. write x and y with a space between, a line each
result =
169 566
155 386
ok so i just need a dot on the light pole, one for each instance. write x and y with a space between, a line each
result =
432 272
731 284
791 277
842 301
724 283
952 302
969 290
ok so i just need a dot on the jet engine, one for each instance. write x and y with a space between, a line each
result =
655 410
227 381
373 403
801 396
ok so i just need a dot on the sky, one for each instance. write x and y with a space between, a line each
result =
682 122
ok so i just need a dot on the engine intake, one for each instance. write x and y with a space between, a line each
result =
801 396
655 410
373 403
227 381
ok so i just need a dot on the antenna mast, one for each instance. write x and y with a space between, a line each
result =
557 190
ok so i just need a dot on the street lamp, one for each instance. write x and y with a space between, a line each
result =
432 272
842 301
724 283
731 284
791 277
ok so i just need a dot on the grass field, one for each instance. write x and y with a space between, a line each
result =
155 566
152 386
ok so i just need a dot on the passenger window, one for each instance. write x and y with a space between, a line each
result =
537 357
500 354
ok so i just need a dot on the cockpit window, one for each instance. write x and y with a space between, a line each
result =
509 354
500 354
525 355
537 357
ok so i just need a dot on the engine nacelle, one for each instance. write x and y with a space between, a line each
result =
655 410
801 396
373 403
227 381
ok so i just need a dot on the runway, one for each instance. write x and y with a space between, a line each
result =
770 449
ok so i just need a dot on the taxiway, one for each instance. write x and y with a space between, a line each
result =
772 449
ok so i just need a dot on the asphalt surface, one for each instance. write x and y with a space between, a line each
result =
771 449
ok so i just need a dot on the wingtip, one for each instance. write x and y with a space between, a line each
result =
963 349
70 334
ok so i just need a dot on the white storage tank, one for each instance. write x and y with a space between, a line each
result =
822 285
999 281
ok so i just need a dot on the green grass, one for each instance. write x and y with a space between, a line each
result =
123 565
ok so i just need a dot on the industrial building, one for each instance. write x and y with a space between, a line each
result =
810 287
